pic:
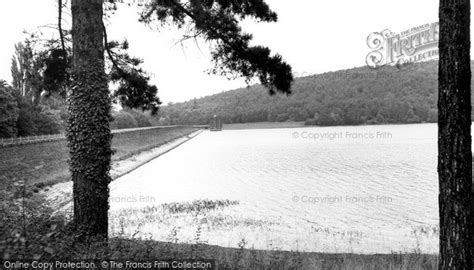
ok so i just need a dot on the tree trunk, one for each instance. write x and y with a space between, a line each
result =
88 134
454 136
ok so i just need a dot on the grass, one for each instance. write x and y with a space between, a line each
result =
43 164
29 231
30 234
245 258
203 214
132 143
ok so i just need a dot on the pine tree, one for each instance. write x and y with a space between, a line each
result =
454 137
88 131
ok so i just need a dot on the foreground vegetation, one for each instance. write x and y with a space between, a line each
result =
30 231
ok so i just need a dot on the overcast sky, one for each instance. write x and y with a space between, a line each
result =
313 36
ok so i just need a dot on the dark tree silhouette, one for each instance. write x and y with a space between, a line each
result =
454 137
88 131
217 21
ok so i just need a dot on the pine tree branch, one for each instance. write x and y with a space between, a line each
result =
194 18
109 51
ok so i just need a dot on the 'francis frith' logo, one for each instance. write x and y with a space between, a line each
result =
418 44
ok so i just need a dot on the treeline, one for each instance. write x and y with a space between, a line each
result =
348 97
35 101
132 118
20 117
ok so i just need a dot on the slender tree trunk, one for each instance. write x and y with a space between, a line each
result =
89 136
454 137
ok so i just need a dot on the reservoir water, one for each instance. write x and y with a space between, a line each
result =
362 189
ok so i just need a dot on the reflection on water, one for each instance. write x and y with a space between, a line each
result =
366 189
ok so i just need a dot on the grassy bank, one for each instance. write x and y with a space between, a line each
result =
205 215
29 231
263 125
244 258
46 163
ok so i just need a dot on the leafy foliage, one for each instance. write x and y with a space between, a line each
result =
134 90
56 77
217 21
8 112
347 97
46 66
20 117
124 119
37 120
26 68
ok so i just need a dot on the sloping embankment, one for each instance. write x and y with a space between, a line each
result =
45 163
59 196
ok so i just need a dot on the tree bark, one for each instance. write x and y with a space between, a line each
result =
454 136
88 134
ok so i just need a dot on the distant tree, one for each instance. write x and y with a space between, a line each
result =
401 96
35 120
38 68
25 70
8 112
50 61
16 74
454 137
20 63
124 119
26 124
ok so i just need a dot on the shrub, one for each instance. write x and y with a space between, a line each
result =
141 118
282 117
25 123
33 120
311 122
48 122
8 114
122 120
